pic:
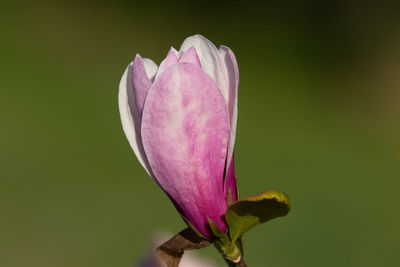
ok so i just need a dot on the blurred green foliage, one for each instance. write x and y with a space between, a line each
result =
318 119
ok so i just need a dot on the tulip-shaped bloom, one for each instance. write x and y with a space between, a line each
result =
180 119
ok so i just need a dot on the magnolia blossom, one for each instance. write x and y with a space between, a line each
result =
180 119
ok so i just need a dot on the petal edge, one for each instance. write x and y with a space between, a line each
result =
130 117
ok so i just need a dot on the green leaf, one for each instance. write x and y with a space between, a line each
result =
252 211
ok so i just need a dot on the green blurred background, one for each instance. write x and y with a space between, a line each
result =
319 119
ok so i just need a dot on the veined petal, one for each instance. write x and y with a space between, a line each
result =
131 121
211 61
185 130
233 83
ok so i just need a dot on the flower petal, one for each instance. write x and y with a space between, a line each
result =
233 81
211 61
190 56
151 68
185 130
171 59
129 112
141 81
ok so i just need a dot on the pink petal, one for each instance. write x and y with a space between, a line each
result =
233 83
170 60
211 61
140 82
190 56
151 68
130 118
185 130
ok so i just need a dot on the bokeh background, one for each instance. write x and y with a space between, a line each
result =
319 119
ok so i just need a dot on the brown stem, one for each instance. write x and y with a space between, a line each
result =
172 251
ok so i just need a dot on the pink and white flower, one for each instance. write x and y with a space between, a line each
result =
180 119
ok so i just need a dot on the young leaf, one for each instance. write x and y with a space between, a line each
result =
249 212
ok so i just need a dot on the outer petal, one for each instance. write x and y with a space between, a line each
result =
129 112
233 78
220 65
185 131
211 61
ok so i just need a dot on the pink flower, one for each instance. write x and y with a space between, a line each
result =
180 119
